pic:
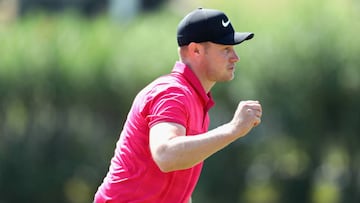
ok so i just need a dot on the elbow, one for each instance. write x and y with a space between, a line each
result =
168 164
164 162
165 168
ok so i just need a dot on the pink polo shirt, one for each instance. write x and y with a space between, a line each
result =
133 175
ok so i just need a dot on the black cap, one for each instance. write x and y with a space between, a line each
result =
209 25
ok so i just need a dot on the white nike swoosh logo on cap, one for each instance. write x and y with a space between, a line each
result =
225 24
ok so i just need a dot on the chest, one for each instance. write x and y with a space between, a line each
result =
198 117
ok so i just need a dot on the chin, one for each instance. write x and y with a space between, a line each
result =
231 77
227 79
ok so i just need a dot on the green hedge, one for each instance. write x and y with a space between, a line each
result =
66 84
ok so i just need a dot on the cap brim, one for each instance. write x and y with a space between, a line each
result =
235 38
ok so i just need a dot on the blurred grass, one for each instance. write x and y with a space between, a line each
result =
67 82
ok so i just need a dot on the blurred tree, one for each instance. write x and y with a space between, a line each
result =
149 5
87 7
8 10
66 86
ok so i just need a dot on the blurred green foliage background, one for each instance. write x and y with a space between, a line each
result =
67 82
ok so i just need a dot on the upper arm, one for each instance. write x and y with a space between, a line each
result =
159 138
169 105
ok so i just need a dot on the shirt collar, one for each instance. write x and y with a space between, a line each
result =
190 76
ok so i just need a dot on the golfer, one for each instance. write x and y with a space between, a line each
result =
165 139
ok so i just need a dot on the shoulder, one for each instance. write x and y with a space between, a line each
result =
164 100
167 85
167 89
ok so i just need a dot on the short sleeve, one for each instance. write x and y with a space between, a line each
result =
168 105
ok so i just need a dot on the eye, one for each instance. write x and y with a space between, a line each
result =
227 49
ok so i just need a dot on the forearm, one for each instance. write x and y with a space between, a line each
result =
173 150
183 152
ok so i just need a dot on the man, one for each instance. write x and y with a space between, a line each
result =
165 139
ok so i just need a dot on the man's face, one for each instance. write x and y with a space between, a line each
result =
219 62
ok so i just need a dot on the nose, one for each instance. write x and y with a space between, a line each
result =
234 57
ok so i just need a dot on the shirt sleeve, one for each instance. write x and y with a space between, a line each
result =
168 106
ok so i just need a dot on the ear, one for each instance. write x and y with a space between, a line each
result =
195 49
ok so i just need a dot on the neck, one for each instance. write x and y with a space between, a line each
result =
206 84
191 55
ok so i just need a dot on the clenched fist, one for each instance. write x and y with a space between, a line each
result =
247 115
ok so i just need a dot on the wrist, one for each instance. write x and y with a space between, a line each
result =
237 130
